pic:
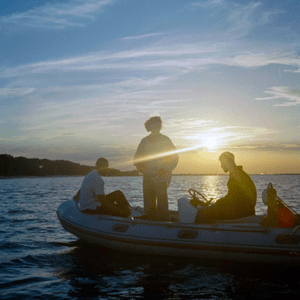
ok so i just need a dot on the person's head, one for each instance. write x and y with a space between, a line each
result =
153 124
227 161
101 164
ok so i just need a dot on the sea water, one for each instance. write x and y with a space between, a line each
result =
40 260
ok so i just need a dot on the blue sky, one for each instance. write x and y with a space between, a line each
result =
78 79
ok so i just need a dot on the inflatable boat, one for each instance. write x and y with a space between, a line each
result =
245 240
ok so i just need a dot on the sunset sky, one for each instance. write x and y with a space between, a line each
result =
78 80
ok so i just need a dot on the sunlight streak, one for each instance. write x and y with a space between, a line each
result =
162 155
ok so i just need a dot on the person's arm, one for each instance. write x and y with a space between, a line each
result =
141 167
236 204
228 200
140 152
170 161
232 196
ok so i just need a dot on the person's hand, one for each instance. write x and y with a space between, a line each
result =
162 173
142 168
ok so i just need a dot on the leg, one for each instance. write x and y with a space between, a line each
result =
149 194
162 199
118 197
207 214
162 196
116 204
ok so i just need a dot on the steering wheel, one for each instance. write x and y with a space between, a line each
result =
196 201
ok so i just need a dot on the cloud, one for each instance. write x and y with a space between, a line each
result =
143 36
212 47
55 15
187 125
11 92
235 20
236 133
290 97
197 129
136 59
164 59
138 82
267 146
259 60
87 119
206 4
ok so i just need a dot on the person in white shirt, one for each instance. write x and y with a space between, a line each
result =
91 197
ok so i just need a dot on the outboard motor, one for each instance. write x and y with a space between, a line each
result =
279 214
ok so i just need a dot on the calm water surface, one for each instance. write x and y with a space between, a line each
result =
39 260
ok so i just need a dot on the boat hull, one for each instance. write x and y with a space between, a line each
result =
239 242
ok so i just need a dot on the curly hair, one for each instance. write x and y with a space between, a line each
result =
153 123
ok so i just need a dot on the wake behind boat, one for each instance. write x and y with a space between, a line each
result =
246 240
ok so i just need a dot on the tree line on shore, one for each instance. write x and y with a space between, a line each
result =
21 166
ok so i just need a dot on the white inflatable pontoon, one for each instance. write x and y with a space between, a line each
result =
244 240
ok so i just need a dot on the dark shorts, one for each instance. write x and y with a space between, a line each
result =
114 204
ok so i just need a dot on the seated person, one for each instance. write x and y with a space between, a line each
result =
240 200
92 199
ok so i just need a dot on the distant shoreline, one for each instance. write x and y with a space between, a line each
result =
50 176
33 167
265 174
21 167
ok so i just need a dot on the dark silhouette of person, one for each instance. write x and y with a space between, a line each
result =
156 158
240 200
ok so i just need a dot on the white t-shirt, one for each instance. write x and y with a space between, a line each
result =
92 185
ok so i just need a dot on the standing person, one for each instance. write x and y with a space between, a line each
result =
240 200
155 158
92 199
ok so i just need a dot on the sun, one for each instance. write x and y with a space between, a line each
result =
211 143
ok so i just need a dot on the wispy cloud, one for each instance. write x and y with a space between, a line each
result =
11 92
95 118
238 133
186 58
140 82
200 129
258 60
288 96
55 15
266 146
143 36
183 57
232 18
206 4
188 128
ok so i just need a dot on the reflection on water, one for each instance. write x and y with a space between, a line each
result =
92 271
40 260
212 186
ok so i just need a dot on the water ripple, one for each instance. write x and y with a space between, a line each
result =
39 260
